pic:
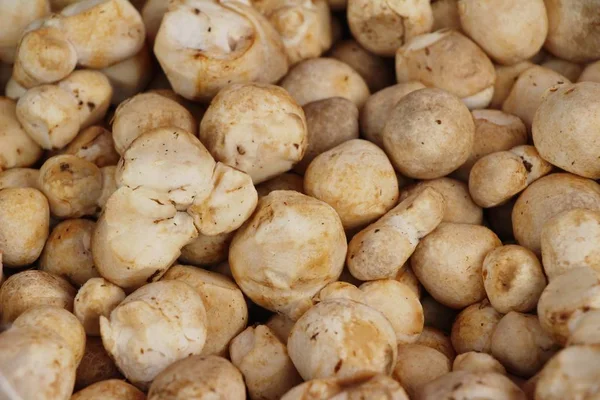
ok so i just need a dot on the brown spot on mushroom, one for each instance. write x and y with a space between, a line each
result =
338 366
65 167
91 106
241 150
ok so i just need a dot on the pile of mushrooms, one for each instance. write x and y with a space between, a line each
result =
287 199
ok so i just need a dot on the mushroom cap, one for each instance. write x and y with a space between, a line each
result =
24 222
370 386
94 144
473 328
93 93
288 226
571 108
206 250
96 365
455 279
156 325
471 385
474 361
67 252
547 197
344 339
15 16
256 128
198 377
202 46
357 179
510 32
19 178
18 149
429 134
322 78
418 365
111 389
95 298
226 310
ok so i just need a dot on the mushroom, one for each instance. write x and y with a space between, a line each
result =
528 91
445 15
473 361
571 107
494 131
93 92
510 32
521 345
438 340
428 134
263 360
369 386
381 27
57 320
285 181
32 288
322 78
566 68
513 278
206 250
566 299
24 222
256 128
94 144
407 277
375 70
358 167
585 331
232 40
471 385
344 339
18 149
497 177
97 297
19 178
226 310
506 75
448 60
455 279
418 365
288 226
330 122
591 73
547 197
96 365
473 328
130 76
15 16
111 389
155 326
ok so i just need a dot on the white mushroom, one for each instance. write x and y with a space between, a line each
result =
15 16
95 298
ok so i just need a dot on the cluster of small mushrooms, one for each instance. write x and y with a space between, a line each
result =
231 199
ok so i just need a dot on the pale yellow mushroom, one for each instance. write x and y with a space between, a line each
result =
473 328
471 385
438 340
111 389
418 365
474 361
19 178
95 298
15 16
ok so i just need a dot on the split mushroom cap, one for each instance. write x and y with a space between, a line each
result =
322 78
330 122
568 23
418 365
67 252
357 179
371 386
15 16
95 298
382 27
510 31
527 93
206 250
471 385
566 299
285 181
19 178
506 76
230 40
448 60
379 106
566 68
521 345
375 70
33 288
59 321
474 361
145 112
256 128
494 131
344 339
591 73
94 144
71 184
24 222
18 149
36 364
153 327
473 328
288 226
497 177
226 310
460 207
455 279
380 250
573 109
112 389
96 365
50 116
547 197
573 373
513 278
445 15
428 134
571 239
263 360
438 340
304 27
198 377
130 76
585 331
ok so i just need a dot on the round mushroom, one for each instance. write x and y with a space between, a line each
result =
95 298
471 385
206 250
111 389
474 361
19 178
438 340
369 386
92 91
473 328
418 365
